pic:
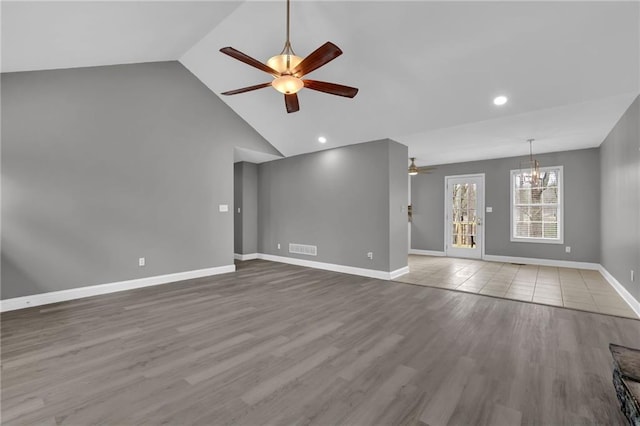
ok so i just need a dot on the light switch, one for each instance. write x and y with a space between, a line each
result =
489 209
223 208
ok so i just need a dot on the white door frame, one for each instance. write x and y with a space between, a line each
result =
479 212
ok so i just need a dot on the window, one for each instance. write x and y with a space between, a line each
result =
536 208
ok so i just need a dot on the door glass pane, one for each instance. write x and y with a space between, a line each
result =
463 215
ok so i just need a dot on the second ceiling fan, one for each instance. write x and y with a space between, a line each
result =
288 70
414 170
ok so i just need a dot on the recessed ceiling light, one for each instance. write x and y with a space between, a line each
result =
500 100
322 139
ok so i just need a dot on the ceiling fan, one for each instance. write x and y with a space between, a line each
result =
288 70
414 170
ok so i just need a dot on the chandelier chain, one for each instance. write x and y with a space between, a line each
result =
530 148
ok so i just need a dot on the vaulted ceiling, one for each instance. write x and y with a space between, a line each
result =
427 71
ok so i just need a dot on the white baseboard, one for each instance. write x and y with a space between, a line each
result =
398 272
426 252
249 256
370 273
543 262
623 292
94 290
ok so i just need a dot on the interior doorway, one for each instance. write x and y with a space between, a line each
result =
464 214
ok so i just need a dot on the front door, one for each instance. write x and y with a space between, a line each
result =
464 211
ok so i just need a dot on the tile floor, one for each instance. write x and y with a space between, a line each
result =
581 289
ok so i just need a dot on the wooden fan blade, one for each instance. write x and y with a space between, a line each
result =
236 54
322 55
331 88
291 101
425 170
246 89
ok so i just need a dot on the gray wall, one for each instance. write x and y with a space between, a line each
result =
581 204
398 201
101 166
237 203
338 200
620 200
246 198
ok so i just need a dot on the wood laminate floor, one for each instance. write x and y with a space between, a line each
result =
280 344
582 289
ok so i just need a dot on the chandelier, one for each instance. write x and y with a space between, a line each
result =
530 169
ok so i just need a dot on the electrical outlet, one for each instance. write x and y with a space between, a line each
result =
370 255
238 209
141 261
278 246
567 249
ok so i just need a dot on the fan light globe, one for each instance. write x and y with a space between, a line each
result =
287 84
280 62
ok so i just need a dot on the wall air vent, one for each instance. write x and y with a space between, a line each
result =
303 249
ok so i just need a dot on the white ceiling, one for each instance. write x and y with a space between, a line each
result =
564 128
52 34
427 71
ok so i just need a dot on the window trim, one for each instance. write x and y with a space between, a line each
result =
512 189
